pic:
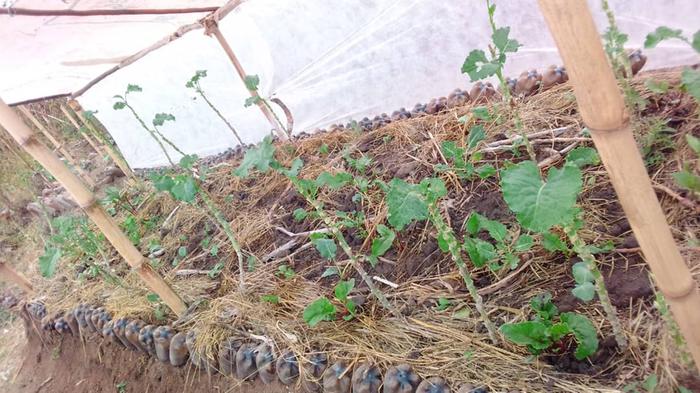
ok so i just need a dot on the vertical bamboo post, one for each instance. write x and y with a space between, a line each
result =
212 27
75 124
602 107
111 151
12 276
56 145
87 201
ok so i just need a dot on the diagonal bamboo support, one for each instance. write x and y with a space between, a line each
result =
603 110
87 201
212 28
9 274
75 124
111 150
57 145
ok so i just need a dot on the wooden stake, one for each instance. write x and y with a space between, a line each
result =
602 107
56 145
87 201
10 275
75 124
111 150
212 28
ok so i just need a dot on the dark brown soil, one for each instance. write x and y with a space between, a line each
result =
62 364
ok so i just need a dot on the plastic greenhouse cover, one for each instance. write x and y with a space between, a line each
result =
329 61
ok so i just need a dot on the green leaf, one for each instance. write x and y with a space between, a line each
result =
502 42
443 304
188 161
690 80
214 250
687 180
584 291
656 86
285 271
184 188
133 88
299 214
443 241
216 270
485 171
251 82
650 383
250 101
531 333
451 151
319 310
477 66
182 251
163 183
331 271
661 33
694 143
551 242
49 261
541 205
335 181
480 252
583 156
584 332
326 247
323 150
381 243
543 306
343 288
153 297
274 299
405 204
260 157
495 229
482 113
696 41
119 105
473 223
523 243
682 389
161 118
582 273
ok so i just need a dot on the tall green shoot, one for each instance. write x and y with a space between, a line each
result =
193 83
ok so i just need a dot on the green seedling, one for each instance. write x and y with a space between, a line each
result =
251 83
323 309
462 160
686 178
504 250
690 78
541 205
285 272
544 332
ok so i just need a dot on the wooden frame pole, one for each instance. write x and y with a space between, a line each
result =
12 276
57 145
75 124
603 110
87 201
111 150
212 28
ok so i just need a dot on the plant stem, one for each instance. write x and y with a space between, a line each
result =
356 264
226 227
580 248
151 132
455 252
204 97
279 122
168 141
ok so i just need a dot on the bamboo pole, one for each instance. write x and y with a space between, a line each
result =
57 145
75 124
602 107
12 276
87 201
212 28
111 150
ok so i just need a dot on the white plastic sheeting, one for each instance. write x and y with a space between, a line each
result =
329 60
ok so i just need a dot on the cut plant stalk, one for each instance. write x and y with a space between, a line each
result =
152 133
193 83
87 201
603 111
579 247
447 234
